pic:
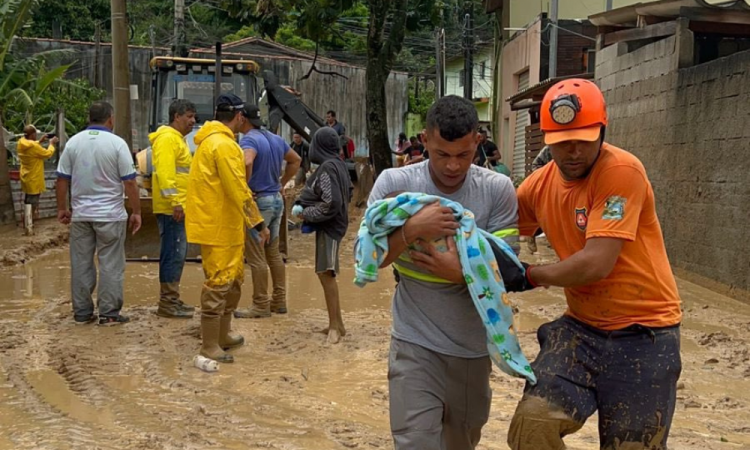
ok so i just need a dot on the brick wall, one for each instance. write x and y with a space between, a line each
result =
47 202
691 129
572 47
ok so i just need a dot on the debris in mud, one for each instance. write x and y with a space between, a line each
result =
713 339
727 403
18 249
712 361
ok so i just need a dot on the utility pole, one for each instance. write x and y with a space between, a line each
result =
97 55
609 5
152 37
440 62
217 74
468 50
121 71
179 28
553 40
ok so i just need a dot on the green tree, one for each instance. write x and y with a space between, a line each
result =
13 15
73 96
23 82
316 20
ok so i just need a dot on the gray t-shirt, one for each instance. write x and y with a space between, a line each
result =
438 316
97 161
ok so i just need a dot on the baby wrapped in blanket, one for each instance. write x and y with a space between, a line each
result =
486 263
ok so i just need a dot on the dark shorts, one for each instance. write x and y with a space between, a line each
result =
326 253
629 376
31 199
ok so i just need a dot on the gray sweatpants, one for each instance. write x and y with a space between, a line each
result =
107 241
437 402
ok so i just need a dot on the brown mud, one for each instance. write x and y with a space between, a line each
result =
70 387
17 248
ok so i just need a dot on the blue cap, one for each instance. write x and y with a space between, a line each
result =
229 102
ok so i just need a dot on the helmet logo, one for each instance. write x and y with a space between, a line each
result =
565 108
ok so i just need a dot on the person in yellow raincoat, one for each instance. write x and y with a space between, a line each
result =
172 160
32 156
219 206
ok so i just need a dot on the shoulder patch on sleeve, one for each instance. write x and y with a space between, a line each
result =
614 208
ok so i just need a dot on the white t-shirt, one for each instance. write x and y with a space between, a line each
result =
97 161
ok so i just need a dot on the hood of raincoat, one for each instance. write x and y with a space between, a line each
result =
164 130
212 127
25 144
325 145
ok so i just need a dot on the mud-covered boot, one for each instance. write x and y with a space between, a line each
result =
210 329
228 339
170 305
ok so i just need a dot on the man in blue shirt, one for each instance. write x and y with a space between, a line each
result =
265 154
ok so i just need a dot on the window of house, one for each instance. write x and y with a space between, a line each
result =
461 78
589 60
482 68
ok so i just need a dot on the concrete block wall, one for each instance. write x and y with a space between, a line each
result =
691 129
47 202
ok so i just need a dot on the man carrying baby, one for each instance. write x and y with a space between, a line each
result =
438 364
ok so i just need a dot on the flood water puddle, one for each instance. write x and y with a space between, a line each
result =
135 387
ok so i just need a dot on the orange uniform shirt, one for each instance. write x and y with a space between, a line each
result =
615 201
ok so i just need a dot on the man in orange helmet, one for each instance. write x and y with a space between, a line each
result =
617 348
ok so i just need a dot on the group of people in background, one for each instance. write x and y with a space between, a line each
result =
593 200
228 198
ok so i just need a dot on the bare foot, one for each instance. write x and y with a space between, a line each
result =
333 337
326 330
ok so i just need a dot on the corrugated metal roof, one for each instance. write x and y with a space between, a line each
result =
628 15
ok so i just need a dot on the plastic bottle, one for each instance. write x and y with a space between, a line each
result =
205 364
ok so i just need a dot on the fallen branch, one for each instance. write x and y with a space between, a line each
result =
313 68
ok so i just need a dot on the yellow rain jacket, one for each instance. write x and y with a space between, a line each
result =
171 160
32 156
219 203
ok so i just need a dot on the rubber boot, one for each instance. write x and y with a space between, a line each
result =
213 304
210 329
170 305
227 338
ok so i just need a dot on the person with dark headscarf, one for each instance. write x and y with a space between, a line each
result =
324 204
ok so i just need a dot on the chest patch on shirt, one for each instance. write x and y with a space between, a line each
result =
582 218
614 208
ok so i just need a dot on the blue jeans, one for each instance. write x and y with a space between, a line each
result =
271 208
173 248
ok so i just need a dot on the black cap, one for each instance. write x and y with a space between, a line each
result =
229 102
252 114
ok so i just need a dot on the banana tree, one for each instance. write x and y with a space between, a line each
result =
14 14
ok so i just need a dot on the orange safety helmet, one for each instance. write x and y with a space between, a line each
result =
573 110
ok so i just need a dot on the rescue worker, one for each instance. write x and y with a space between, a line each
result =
171 160
219 206
32 156
617 348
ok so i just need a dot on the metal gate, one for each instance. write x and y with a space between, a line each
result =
519 142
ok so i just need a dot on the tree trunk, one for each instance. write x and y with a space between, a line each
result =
381 53
377 117
7 209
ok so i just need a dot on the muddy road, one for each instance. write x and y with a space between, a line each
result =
133 387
